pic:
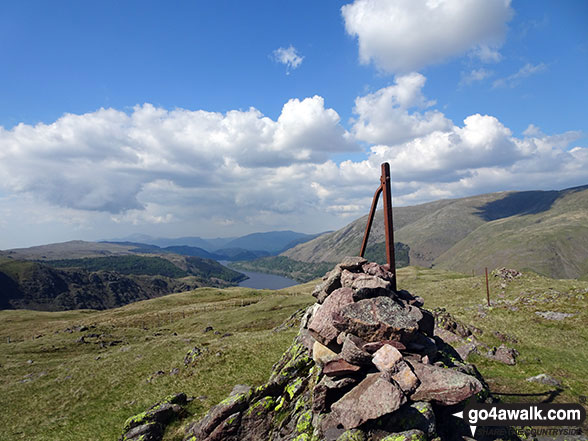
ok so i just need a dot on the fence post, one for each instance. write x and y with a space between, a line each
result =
487 288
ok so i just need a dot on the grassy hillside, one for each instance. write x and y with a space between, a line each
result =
540 230
557 348
552 242
56 386
101 283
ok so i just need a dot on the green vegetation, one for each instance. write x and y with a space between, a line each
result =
556 348
545 231
284 266
73 390
150 266
305 271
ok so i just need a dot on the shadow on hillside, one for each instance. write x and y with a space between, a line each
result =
550 395
523 202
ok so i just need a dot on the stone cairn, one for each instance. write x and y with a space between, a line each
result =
365 366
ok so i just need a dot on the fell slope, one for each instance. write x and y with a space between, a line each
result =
545 231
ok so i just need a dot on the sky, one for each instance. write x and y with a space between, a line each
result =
218 119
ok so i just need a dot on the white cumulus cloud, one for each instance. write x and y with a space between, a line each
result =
116 162
400 36
288 56
385 117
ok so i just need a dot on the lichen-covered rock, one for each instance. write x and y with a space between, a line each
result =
379 318
150 425
418 415
408 435
353 435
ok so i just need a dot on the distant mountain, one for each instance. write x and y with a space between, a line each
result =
545 231
272 242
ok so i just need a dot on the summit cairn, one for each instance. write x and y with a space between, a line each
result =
365 366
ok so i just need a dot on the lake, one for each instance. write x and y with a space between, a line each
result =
263 280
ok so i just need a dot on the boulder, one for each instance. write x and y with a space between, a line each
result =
322 355
442 385
376 319
352 263
353 351
545 379
329 390
386 358
403 375
340 367
503 354
370 399
321 325
366 286
332 282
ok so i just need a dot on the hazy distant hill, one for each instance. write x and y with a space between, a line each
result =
271 242
546 231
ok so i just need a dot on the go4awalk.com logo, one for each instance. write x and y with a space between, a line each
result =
522 414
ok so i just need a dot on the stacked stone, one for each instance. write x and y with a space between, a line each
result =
377 352
365 366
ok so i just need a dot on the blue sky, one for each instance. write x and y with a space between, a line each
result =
228 117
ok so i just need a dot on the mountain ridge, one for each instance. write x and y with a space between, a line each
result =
453 233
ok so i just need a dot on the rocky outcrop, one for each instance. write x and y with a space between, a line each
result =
365 365
150 425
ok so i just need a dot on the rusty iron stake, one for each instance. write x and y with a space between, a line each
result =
388 221
487 288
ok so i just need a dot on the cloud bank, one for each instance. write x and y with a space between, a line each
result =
401 36
242 170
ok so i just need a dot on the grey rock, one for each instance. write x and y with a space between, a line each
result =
545 379
348 277
503 354
367 286
407 435
324 289
551 315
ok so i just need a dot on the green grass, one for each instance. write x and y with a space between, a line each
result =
74 391
557 348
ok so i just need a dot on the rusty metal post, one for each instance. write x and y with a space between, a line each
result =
487 288
368 227
384 188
